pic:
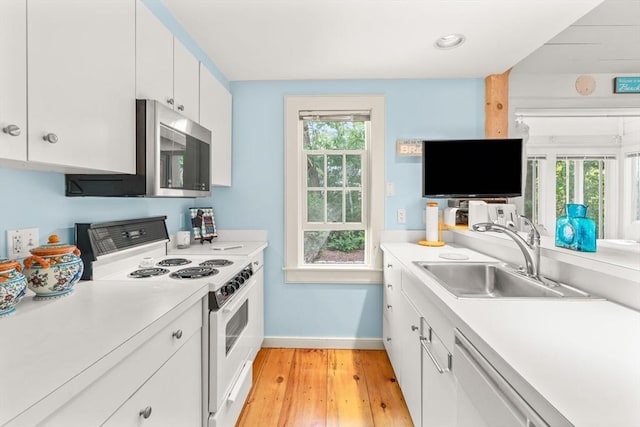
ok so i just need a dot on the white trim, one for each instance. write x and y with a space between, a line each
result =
324 342
360 273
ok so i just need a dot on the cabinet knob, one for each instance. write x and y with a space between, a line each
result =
12 130
146 412
389 265
388 306
414 328
389 285
181 107
177 334
170 101
389 339
51 138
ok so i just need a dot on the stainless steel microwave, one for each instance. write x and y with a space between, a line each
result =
173 159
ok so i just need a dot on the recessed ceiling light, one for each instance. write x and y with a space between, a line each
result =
449 41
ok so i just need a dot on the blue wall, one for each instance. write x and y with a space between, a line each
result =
36 199
414 108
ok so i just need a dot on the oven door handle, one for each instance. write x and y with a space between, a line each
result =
227 308
246 370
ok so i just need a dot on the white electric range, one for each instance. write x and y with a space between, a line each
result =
139 251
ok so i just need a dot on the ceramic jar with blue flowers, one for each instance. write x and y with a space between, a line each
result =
13 286
575 231
53 269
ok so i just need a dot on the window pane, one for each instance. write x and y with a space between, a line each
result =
353 205
334 171
334 206
354 170
532 191
561 187
594 192
334 247
315 206
315 170
319 135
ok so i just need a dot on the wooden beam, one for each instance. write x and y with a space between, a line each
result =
496 107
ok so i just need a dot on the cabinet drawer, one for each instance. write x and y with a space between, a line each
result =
171 397
94 404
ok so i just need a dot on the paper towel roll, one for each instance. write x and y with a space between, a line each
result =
432 222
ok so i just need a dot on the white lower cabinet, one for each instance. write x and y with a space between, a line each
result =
171 397
409 350
164 374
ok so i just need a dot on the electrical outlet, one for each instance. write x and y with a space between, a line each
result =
390 189
402 216
20 242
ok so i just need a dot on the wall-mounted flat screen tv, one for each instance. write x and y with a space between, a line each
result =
472 168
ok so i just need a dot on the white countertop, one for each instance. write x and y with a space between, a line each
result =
582 356
45 344
220 249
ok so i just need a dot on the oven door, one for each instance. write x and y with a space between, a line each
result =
230 344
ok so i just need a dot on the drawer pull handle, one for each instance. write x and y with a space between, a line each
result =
146 412
177 334
51 138
13 130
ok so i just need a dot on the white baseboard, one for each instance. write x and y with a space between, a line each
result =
314 342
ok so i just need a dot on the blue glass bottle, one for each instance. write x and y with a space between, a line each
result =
575 231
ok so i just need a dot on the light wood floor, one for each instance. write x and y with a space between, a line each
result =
323 388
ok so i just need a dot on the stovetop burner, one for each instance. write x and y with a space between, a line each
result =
216 263
172 262
193 272
148 272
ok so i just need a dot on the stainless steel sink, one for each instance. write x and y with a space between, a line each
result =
495 280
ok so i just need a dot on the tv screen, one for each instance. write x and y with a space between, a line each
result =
472 168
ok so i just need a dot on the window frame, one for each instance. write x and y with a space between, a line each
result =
296 271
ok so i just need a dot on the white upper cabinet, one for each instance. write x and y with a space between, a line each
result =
216 115
81 84
165 70
13 79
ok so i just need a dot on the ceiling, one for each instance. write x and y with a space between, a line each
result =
393 39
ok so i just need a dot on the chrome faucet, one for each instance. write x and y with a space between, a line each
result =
530 247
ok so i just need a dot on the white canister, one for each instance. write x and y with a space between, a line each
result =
183 239
432 222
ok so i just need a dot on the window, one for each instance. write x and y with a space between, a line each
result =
632 167
334 176
575 159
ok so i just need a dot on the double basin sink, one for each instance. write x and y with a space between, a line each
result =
496 280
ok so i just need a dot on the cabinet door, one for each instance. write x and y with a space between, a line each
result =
186 70
409 339
154 57
81 80
171 397
391 325
13 79
216 115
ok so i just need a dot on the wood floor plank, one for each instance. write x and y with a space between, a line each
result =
347 399
259 363
264 403
305 402
387 403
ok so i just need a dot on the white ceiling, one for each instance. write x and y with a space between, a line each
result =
606 40
380 39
